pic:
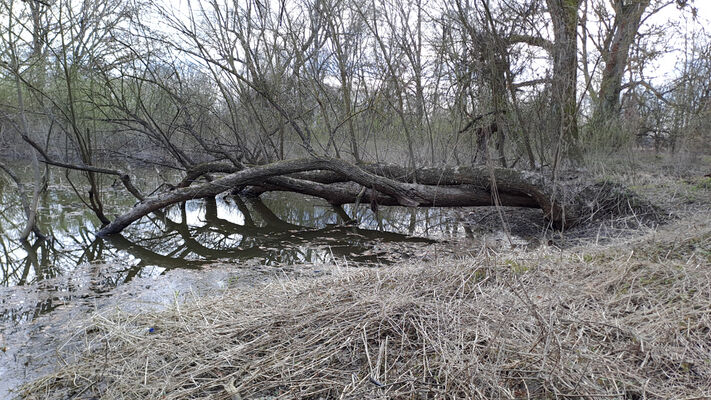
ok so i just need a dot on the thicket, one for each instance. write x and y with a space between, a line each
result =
536 85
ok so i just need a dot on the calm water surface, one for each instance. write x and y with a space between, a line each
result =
277 229
50 288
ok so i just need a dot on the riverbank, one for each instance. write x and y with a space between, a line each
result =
626 320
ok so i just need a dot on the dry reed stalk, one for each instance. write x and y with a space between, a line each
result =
626 322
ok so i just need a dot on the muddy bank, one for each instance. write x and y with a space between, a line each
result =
42 323
628 320
33 339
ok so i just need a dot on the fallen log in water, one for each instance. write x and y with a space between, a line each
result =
341 182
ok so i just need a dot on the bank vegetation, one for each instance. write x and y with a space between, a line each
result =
629 320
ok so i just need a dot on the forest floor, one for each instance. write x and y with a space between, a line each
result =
616 309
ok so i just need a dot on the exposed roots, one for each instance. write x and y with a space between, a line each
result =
610 323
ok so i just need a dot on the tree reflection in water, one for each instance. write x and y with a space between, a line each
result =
197 232
281 230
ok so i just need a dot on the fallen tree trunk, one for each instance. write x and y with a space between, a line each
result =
375 184
447 175
348 192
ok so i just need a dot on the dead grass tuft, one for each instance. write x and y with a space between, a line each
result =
625 322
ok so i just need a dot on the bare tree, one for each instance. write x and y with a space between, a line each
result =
321 96
20 19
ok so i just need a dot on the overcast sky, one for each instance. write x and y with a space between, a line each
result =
666 64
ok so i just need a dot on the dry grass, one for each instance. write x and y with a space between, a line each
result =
625 322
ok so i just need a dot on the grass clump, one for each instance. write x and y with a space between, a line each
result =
625 322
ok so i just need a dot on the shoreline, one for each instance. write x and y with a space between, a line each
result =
334 335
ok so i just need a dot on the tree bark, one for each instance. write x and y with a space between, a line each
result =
628 17
514 188
564 125
348 192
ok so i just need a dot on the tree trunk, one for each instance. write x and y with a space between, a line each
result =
628 18
515 188
563 123
349 192
29 204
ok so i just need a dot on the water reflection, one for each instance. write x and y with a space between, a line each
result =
280 229
233 228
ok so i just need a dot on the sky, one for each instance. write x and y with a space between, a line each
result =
664 68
